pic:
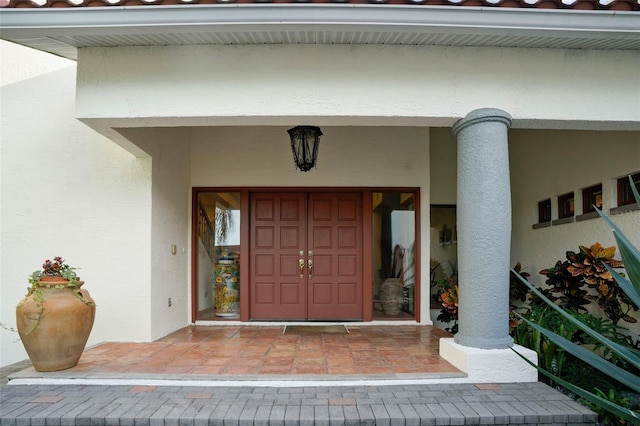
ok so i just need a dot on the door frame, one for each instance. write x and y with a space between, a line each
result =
367 242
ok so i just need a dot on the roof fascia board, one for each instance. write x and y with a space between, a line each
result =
314 17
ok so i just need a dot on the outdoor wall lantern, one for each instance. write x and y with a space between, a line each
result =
304 144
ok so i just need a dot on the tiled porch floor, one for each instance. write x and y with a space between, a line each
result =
265 350
218 375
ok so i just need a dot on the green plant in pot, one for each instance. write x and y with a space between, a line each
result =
446 297
56 316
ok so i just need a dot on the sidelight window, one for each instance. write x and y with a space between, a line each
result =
218 262
394 254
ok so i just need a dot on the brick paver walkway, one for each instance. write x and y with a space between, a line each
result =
457 404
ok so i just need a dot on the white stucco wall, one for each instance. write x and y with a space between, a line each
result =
66 190
348 157
546 164
20 63
169 150
376 85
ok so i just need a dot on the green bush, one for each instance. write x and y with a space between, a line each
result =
614 357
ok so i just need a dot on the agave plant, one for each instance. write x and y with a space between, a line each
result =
518 292
631 357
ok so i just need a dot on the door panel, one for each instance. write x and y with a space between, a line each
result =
335 240
327 229
277 235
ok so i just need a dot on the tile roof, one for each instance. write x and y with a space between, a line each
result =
622 5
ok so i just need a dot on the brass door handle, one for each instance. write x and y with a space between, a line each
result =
310 268
301 264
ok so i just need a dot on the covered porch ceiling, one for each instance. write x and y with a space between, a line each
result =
62 31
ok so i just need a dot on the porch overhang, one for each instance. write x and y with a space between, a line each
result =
62 31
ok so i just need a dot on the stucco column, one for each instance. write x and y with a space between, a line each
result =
484 229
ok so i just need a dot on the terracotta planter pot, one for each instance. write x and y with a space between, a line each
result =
391 296
55 334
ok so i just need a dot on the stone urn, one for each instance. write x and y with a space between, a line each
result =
391 296
54 322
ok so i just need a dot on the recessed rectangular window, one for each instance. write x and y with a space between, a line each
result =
591 197
566 205
544 211
625 194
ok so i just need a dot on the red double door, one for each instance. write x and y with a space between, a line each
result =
306 256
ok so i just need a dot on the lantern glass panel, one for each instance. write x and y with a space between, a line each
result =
304 145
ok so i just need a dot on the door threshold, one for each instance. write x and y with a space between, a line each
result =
308 323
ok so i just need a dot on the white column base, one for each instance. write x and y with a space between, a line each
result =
490 365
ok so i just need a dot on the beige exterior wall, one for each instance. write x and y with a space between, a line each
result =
546 164
348 157
443 158
169 288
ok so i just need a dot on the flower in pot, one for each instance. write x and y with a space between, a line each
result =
56 271
56 316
